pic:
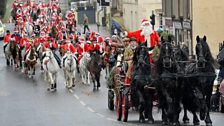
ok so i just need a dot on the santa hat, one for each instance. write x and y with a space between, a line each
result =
99 39
145 21
107 38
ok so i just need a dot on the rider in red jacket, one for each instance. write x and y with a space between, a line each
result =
68 47
6 39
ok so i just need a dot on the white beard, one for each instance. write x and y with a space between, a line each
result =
146 31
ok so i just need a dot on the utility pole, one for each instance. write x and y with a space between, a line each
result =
110 25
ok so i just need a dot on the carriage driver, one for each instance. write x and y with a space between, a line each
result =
130 45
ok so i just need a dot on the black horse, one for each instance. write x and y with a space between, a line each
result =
141 81
94 67
199 83
167 87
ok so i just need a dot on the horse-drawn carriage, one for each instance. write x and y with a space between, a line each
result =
124 96
180 81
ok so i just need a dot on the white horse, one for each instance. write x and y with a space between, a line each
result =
69 68
28 28
8 54
83 68
51 69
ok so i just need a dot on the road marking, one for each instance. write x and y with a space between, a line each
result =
90 109
100 115
83 103
77 97
71 90
111 119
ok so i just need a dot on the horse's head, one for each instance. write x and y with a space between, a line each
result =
69 57
202 51
49 54
141 55
86 56
166 53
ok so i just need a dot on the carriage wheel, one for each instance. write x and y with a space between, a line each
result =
222 108
125 107
221 104
119 106
111 100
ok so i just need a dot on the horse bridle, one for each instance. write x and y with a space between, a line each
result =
142 56
201 61
167 59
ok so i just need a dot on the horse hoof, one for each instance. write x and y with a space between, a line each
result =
176 124
208 124
196 123
48 89
164 123
73 85
151 121
186 121
141 120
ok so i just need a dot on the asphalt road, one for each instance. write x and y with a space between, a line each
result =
26 102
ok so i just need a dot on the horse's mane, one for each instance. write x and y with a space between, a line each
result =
209 56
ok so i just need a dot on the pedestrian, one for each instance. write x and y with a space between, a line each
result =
85 23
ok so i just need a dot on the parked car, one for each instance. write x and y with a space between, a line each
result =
2 30
215 94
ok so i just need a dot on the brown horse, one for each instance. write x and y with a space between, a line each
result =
30 61
14 49
94 67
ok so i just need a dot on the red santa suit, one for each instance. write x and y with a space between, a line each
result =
101 44
23 42
6 38
94 47
152 39
68 47
14 5
50 45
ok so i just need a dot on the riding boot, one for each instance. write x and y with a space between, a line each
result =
4 47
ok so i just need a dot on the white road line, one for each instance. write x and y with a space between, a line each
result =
82 103
111 119
71 90
76 96
90 109
100 115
